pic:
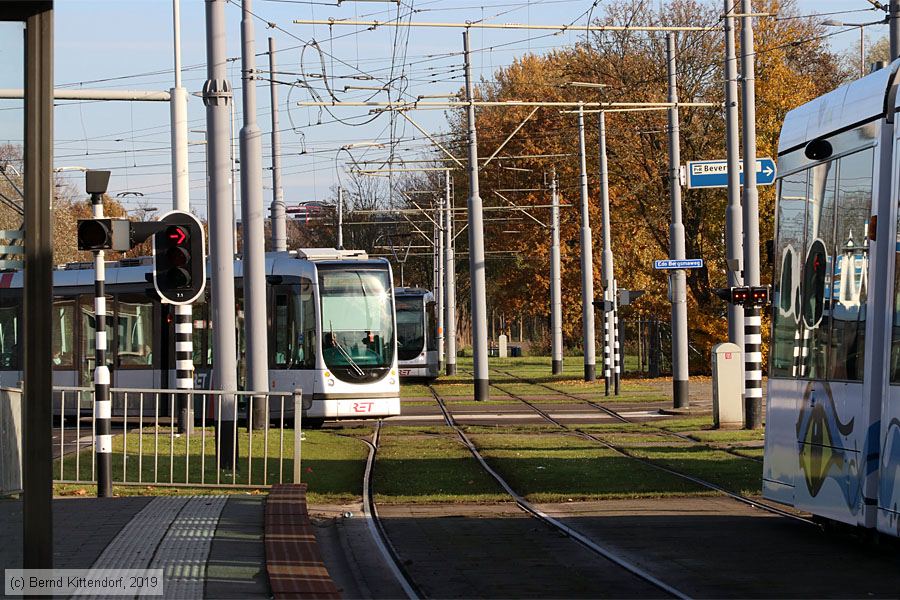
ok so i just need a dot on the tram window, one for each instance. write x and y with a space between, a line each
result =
786 295
851 264
282 330
201 334
410 328
10 332
86 307
432 326
816 290
63 333
306 346
134 331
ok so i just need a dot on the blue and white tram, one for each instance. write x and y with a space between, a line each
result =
417 333
833 410
331 331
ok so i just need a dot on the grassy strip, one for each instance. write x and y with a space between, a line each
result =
559 468
423 467
332 465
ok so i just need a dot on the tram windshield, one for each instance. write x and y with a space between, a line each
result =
410 327
357 322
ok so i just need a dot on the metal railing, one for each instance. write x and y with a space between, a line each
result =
223 447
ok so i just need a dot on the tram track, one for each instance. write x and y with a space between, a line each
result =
652 463
545 518
376 527
619 417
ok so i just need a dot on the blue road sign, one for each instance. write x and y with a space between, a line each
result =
714 173
672 264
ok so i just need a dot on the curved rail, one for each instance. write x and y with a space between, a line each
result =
376 529
526 506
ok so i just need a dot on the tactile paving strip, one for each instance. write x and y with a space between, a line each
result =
135 545
183 552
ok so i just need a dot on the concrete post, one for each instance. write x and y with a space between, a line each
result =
587 264
217 97
279 224
254 245
449 281
340 219
734 227
752 319
556 339
677 279
476 246
439 278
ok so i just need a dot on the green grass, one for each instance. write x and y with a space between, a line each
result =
332 465
555 468
423 467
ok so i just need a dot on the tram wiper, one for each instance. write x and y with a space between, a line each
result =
344 352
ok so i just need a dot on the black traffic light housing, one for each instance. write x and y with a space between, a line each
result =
179 261
755 296
604 305
104 234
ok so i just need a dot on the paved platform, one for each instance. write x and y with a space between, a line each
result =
207 546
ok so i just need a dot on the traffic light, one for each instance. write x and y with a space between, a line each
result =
756 296
104 234
179 262
759 296
604 305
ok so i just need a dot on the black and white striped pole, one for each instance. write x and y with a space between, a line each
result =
97 182
184 365
617 344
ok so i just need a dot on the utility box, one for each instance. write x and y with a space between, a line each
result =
728 383
501 346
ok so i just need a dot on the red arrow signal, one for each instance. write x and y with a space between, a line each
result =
178 235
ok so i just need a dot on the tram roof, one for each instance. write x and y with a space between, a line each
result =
854 103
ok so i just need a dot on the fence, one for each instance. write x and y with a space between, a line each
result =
222 448
647 348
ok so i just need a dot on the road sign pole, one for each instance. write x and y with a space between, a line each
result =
587 265
752 318
677 279
734 252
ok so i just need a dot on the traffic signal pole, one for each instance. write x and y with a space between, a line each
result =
752 318
254 244
96 186
610 367
677 278
217 97
184 323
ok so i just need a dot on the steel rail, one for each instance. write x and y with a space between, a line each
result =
611 412
651 463
376 529
531 509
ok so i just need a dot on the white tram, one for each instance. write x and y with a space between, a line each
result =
833 409
330 321
417 333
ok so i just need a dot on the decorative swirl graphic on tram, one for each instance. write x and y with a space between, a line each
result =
822 439
890 472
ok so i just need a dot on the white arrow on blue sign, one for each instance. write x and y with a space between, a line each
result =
714 173
673 264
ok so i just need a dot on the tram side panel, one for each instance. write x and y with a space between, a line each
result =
817 418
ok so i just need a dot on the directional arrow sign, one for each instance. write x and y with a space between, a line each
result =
714 173
672 264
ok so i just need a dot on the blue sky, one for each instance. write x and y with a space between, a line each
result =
105 43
